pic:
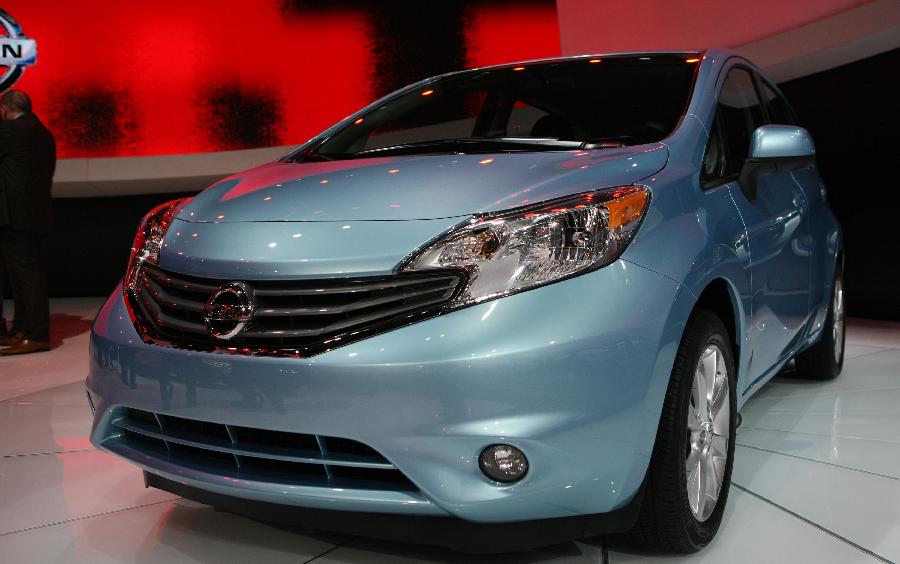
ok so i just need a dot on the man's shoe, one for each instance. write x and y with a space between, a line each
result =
12 339
26 346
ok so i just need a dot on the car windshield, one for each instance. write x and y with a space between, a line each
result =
545 106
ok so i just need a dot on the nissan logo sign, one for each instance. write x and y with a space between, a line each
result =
16 51
228 310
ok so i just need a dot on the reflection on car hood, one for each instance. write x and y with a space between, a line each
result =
417 186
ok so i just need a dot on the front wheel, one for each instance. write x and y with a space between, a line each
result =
825 359
690 470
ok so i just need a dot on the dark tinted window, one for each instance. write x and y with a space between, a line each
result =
739 113
618 100
423 122
779 110
526 120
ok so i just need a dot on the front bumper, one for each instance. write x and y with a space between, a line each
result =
573 374
464 536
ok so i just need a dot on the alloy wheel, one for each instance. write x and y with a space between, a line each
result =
837 326
708 424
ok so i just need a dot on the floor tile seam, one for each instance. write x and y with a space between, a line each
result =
850 468
758 398
879 346
26 454
812 523
330 550
51 404
881 349
807 412
85 517
23 394
852 437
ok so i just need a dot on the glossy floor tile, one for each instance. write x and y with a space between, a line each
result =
855 453
876 427
754 530
49 488
817 474
852 504
165 532
70 321
35 428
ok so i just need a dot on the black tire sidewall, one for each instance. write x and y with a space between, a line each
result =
818 361
708 330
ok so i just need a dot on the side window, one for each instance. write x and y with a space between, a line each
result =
779 110
739 113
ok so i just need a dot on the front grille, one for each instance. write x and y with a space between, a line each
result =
259 455
299 318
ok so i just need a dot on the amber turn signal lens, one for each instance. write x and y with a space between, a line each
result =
626 209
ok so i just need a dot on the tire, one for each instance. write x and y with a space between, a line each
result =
825 359
673 517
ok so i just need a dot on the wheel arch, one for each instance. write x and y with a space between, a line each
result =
721 297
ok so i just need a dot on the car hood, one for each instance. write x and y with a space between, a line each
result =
416 187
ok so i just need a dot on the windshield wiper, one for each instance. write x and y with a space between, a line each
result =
474 145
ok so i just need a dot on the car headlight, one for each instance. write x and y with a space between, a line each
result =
149 237
522 248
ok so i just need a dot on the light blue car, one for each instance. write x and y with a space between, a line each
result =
524 302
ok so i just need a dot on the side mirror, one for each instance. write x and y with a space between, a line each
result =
776 148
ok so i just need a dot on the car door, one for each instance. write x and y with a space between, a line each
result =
777 225
780 111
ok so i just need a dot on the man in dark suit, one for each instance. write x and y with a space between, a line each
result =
27 164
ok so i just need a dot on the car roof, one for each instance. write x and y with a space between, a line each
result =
715 54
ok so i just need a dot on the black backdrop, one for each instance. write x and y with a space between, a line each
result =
852 112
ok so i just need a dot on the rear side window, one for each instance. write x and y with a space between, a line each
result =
779 110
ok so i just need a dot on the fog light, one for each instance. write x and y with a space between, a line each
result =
503 463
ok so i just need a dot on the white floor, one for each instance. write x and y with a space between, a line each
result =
816 477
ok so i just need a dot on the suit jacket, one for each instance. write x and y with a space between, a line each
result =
27 164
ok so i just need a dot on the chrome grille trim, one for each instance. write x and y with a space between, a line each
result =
297 318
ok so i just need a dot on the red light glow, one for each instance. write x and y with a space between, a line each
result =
500 32
104 93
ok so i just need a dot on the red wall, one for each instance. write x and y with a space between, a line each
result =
116 78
